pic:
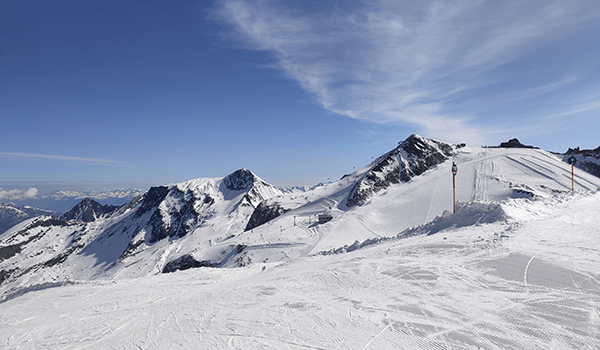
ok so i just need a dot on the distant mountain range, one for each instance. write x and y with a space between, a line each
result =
97 195
60 201
240 219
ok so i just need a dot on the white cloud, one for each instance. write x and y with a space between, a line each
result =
399 61
18 194
30 193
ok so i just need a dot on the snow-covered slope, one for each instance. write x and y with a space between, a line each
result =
485 175
528 282
12 214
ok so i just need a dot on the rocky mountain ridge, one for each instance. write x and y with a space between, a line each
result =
411 158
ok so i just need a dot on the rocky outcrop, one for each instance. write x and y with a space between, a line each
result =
152 199
265 212
239 180
514 143
587 159
411 158
175 220
184 263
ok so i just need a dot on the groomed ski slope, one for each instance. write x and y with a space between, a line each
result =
485 175
528 282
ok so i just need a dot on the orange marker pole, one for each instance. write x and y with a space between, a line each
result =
572 160
572 180
454 171
453 194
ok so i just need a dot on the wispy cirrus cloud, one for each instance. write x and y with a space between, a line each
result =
389 61
49 156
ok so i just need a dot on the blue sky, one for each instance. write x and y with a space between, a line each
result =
140 93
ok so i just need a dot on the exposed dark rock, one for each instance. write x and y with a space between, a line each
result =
186 262
522 194
587 159
47 222
5 274
131 204
60 258
411 158
180 221
209 200
131 249
514 143
240 248
88 210
9 251
263 213
152 199
39 222
239 180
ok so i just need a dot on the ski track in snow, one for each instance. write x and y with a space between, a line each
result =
453 290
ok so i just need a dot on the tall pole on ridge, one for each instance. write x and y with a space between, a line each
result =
454 171
572 160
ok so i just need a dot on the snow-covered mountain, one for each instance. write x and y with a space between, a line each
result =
494 273
411 158
167 223
88 210
12 214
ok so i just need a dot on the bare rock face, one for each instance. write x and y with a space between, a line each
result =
264 212
411 158
587 159
239 180
184 263
514 143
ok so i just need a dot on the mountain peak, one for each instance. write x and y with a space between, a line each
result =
419 146
88 210
239 180
411 158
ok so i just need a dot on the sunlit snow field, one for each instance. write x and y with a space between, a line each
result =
531 282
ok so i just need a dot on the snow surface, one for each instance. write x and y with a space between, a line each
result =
518 266
529 282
